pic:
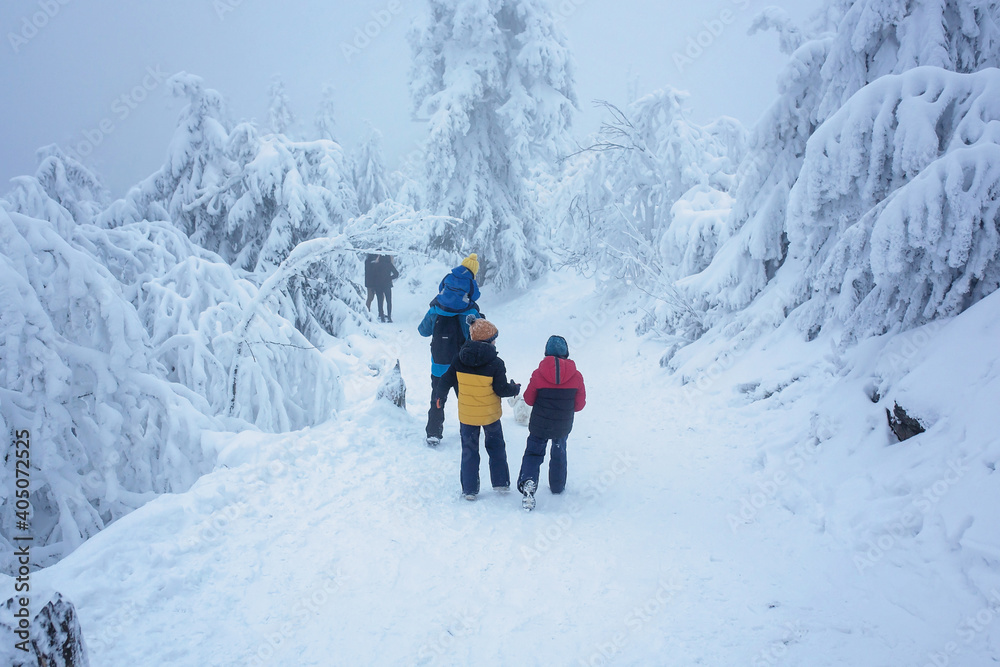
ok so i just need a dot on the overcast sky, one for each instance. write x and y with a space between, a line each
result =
92 74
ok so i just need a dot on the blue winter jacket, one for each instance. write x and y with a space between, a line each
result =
458 290
442 353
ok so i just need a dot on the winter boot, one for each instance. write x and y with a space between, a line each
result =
469 496
433 441
528 488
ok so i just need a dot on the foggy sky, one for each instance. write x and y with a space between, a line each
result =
92 76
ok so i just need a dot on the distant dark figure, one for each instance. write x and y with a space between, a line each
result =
370 278
383 273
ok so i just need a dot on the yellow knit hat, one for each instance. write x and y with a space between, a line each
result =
471 263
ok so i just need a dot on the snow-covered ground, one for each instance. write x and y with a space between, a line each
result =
748 517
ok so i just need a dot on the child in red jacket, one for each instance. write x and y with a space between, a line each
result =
556 392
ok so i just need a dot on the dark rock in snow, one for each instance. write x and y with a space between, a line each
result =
902 424
392 388
55 638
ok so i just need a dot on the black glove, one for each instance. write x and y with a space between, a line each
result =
515 387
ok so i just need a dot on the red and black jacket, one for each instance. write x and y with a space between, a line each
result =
556 392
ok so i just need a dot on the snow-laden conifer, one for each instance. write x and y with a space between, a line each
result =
494 79
854 45
369 172
326 116
280 117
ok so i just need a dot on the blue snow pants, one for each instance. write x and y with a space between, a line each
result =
496 448
534 454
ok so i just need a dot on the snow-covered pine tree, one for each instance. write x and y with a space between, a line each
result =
326 117
284 193
280 118
108 430
62 191
851 45
655 155
495 80
756 241
187 189
250 199
895 218
117 349
646 201
407 191
369 172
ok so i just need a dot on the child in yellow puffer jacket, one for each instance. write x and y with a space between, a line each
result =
479 377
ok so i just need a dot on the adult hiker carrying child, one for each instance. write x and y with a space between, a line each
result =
447 326
479 377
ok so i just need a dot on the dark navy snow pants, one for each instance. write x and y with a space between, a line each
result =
534 454
496 448
384 295
435 416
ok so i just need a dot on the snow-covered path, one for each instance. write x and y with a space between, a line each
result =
349 543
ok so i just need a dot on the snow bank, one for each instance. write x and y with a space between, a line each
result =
925 509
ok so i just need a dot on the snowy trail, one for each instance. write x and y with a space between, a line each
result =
349 543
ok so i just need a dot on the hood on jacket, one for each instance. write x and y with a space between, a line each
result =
556 370
463 272
477 353
438 310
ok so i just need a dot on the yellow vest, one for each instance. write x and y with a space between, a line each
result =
478 404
